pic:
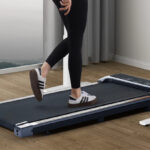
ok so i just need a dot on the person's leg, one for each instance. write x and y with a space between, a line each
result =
57 54
75 23
60 51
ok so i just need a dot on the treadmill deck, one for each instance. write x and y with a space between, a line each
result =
55 104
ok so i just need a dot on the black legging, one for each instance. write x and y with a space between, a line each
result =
75 23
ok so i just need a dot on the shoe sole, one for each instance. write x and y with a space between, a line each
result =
84 104
34 85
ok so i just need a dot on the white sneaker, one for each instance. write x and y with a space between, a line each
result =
37 83
84 100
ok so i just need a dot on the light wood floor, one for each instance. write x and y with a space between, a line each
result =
118 134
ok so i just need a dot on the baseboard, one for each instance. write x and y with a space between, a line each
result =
132 62
26 68
19 68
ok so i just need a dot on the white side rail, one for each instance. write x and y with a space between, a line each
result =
122 80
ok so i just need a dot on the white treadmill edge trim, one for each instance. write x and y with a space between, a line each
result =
67 88
126 81
49 92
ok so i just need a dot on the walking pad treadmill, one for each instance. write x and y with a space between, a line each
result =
116 93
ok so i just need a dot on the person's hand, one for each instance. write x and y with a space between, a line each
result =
67 6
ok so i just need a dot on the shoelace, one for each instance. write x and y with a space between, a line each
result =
86 93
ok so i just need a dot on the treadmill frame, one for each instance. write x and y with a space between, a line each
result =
98 113
23 129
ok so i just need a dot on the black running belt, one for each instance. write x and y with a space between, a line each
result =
55 104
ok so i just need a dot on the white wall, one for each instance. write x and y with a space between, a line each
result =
21 30
26 34
133 32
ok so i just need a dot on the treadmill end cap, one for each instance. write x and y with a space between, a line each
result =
103 79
